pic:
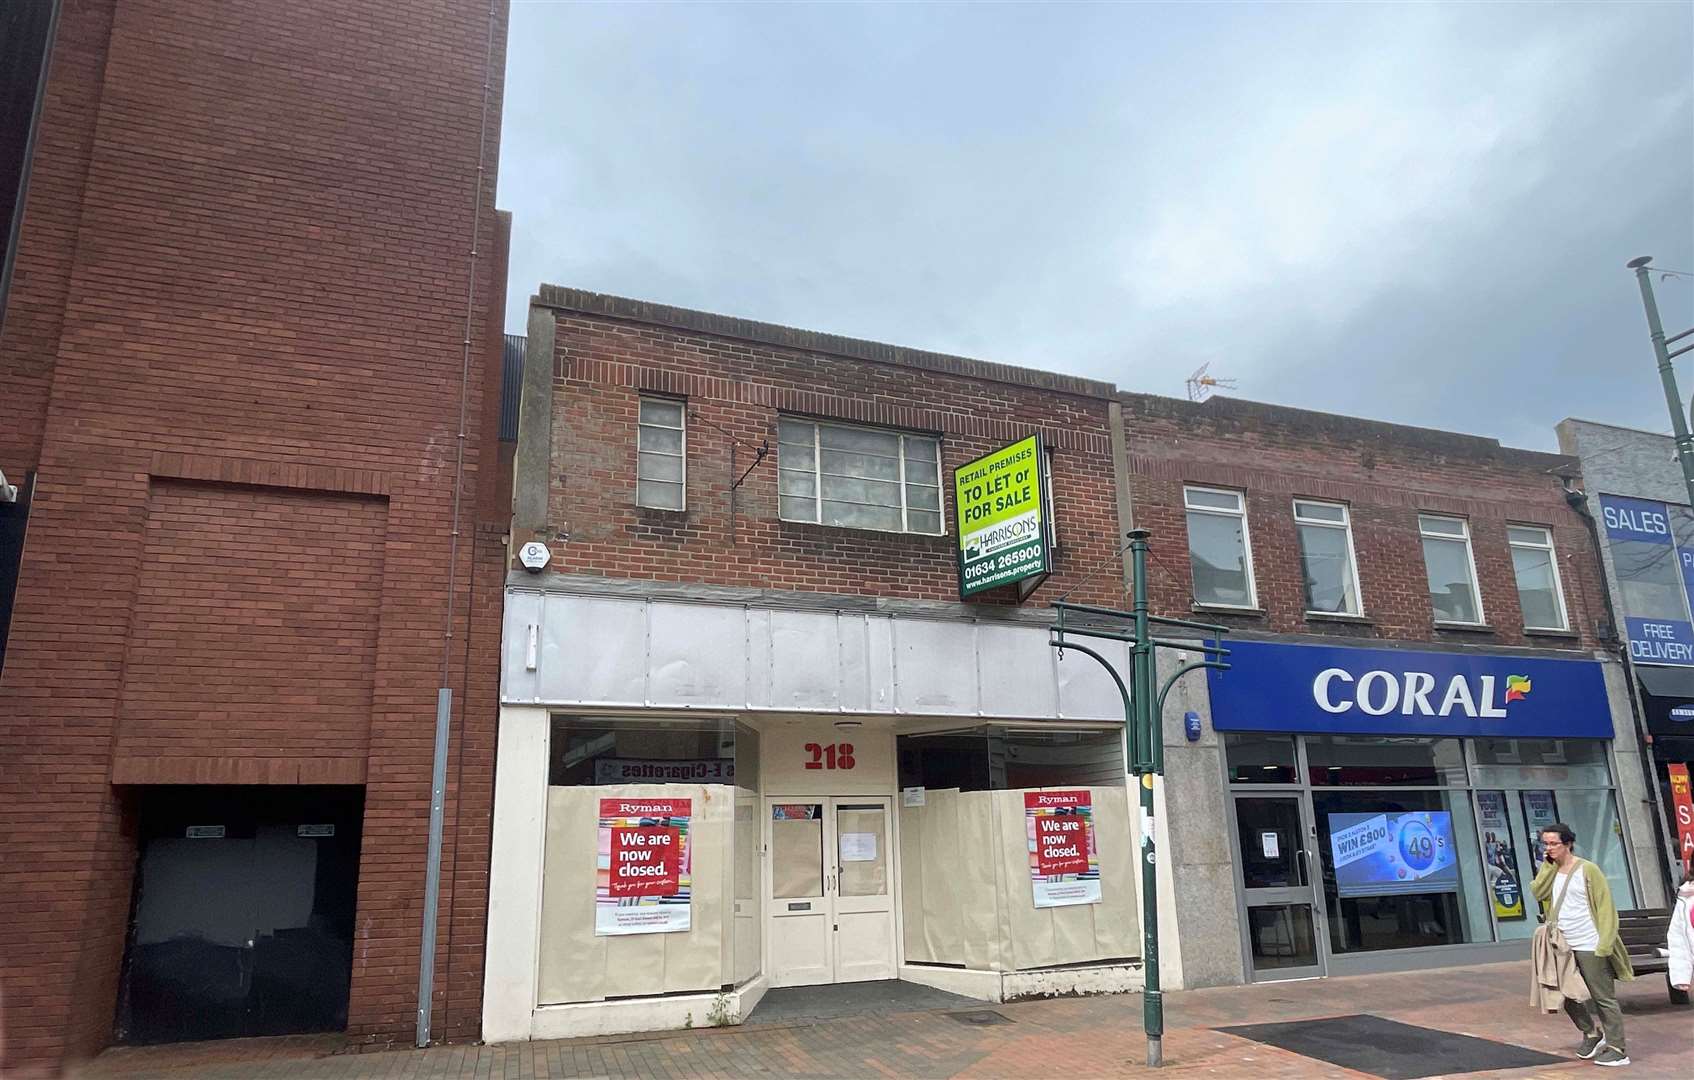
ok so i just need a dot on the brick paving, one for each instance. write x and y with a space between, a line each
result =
1073 1037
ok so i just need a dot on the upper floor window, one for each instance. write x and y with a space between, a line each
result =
661 465
1219 551
859 478
1327 566
1537 570
1452 569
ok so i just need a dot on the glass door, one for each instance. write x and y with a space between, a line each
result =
1283 919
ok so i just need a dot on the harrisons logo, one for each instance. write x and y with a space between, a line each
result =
1018 530
1414 693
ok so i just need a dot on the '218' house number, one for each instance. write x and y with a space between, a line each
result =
830 756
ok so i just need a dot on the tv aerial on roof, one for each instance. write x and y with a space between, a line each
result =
1201 385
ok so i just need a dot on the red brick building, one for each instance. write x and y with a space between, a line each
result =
1421 641
249 356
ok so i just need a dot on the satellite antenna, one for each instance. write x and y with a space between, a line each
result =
1201 385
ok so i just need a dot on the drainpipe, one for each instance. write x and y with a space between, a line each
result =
1577 500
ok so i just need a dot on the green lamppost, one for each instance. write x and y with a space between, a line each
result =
1143 724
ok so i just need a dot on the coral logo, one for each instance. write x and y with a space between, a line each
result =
1517 688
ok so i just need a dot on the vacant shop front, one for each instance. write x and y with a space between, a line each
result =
243 912
667 864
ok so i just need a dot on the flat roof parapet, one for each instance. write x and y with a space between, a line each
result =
581 301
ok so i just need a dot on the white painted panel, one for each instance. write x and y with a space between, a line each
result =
800 947
864 946
783 758
696 655
879 663
757 634
523 610
935 667
1016 671
514 875
1086 691
805 661
593 650
855 696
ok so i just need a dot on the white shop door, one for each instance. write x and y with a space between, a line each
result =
832 890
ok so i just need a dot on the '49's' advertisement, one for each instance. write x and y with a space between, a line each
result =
644 875
1064 864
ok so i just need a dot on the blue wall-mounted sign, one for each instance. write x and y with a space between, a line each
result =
1656 575
1320 689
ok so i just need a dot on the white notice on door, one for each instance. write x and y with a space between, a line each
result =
858 847
1268 842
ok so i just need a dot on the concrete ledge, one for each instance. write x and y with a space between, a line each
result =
998 986
1057 982
968 982
671 1013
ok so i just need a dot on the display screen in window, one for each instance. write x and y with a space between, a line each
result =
1386 854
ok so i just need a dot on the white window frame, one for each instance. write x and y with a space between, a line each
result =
1470 558
905 529
1346 527
682 428
1552 560
1188 507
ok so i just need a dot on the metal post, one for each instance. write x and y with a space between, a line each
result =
432 881
1147 728
1667 374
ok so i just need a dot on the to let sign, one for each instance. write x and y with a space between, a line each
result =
1001 503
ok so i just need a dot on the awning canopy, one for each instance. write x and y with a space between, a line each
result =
1667 697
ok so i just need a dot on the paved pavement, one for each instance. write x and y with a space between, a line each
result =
1075 1038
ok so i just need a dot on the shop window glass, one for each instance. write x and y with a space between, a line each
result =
1219 552
1537 571
1401 869
1326 557
1541 763
862 478
997 758
595 750
1384 761
1452 571
661 454
1260 759
1592 815
1282 936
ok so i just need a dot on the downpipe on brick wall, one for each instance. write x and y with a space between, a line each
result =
444 694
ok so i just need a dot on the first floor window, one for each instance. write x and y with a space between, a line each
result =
1452 571
860 478
1218 549
660 443
1537 572
1326 557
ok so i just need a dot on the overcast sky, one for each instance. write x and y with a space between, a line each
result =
1416 213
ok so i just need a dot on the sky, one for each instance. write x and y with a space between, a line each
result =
1410 212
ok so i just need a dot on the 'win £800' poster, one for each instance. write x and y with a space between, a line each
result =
644 877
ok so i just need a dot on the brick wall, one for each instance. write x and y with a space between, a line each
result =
252 635
737 379
243 271
1386 474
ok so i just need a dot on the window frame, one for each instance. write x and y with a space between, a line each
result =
1552 561
1188 507
682 454
1464 537
1346 527
817 426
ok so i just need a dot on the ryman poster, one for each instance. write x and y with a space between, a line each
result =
1064 865
644 876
